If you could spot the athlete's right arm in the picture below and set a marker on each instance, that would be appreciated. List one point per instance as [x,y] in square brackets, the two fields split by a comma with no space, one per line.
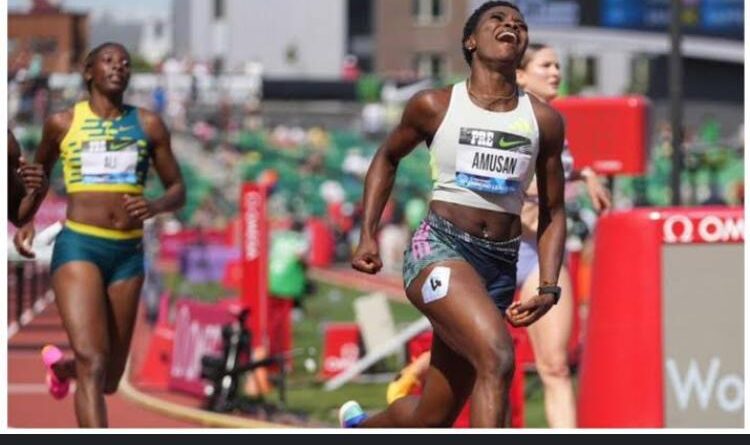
[36,177]
[418,123]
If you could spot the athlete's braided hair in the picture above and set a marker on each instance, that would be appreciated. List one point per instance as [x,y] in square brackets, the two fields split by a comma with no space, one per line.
[473,21]
[91,56]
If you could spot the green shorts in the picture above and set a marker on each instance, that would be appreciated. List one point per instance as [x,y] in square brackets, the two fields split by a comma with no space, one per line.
[116,259]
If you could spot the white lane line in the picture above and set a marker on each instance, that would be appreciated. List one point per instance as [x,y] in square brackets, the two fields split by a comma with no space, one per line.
[189,414]
[13,329]
[28,315]
[32,388]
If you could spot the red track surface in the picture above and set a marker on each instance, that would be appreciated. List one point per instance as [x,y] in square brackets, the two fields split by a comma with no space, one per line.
[29,404]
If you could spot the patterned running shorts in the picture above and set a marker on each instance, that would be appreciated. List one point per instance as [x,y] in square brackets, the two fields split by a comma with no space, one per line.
[437,239]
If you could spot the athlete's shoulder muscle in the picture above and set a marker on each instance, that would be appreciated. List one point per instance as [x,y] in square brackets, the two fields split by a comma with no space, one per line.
[58,124]
[153,125]
[426,109]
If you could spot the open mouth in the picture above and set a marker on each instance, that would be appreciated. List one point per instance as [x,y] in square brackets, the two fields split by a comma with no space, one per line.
[507,37]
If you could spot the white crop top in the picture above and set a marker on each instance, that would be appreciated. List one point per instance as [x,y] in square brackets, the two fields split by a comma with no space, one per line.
[484,159]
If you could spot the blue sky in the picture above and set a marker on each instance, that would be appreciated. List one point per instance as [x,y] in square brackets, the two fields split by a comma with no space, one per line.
[130,9]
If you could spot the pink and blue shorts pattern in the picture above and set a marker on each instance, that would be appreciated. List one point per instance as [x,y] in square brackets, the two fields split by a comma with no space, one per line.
[437,239]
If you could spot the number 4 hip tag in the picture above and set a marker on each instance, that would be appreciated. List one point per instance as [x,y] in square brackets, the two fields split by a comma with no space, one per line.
[436,285]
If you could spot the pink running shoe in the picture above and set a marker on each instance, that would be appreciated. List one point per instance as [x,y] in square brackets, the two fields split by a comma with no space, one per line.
[58,388]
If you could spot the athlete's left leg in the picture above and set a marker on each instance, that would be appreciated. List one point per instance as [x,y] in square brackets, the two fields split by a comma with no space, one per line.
[123,296]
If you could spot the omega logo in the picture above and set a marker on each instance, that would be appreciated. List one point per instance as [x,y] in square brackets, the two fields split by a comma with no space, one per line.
[709,229]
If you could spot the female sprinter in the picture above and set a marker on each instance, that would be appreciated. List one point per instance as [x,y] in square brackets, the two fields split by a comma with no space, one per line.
[106,148]
[487,139]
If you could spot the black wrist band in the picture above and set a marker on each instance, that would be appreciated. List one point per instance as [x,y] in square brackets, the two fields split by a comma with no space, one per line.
[554,290]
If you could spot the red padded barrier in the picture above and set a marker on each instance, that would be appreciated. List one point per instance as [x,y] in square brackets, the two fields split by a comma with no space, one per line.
[608,134]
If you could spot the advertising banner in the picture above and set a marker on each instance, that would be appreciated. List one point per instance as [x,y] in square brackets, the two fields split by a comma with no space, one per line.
[664,342]
[197,333]
[254,256]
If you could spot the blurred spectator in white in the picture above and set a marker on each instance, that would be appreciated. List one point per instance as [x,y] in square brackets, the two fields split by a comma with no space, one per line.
[280,136]
[175,109]
[297,136]
[373,120]
[355,163]
[171,225]
[287,137]
[14,98]
[172,66]
[332,191]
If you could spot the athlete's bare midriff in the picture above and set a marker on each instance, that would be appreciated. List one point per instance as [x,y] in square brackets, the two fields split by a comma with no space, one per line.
[101,209]
[488,224]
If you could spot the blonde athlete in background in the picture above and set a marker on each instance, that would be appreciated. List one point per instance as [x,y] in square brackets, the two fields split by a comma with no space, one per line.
[487,139]
[106,148]
[539,74]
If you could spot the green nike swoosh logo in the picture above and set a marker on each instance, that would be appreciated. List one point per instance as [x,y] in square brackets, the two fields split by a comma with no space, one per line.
[510,144]
[121,145]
